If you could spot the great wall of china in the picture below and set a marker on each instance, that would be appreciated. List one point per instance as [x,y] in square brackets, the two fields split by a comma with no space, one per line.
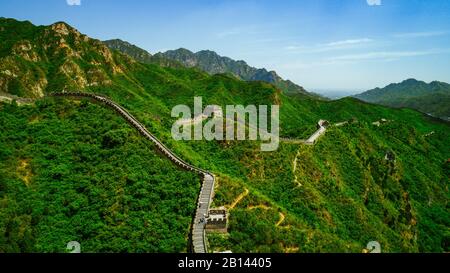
[198,231]
[198,236]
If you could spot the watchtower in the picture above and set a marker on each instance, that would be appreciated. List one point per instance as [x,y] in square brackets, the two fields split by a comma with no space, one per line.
[217,220]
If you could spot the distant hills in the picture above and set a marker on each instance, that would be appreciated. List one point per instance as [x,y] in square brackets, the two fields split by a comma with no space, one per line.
[431,98]
[212,63]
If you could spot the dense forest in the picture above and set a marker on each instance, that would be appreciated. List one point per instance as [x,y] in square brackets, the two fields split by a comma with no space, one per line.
[74,171]
[343,193]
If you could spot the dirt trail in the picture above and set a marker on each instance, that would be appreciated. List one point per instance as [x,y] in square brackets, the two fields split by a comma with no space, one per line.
[264,207]
[294,163]
[282,217]
[291,249]
[238,199]
[24,171]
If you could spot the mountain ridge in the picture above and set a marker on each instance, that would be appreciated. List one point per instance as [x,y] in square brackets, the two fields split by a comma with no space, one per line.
[35,60]
[129,49]
[431,98]
[212,63]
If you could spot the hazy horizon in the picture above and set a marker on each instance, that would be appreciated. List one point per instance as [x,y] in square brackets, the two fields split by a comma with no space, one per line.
[336,93]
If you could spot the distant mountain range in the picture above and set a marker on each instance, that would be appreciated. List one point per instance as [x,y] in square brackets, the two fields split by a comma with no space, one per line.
[431,98]
[212,63]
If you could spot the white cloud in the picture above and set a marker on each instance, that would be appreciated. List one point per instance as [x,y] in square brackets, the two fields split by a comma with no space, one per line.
[293,47]
[386,55]
[421,34]
[349,42]
[73,2]
[376,56]
[374,2]
[337,45]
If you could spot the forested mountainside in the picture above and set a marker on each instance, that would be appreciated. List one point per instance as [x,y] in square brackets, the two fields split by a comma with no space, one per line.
[137,53]
[210,62]
[430,98]
[213,63]
[77,172]
[71,169]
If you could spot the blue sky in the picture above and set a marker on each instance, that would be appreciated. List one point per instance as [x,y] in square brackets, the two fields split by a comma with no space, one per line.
[342,45]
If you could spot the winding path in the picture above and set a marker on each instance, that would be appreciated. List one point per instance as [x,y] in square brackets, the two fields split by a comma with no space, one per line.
[198,235]
[238,199]
[199,243]
[321,129]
